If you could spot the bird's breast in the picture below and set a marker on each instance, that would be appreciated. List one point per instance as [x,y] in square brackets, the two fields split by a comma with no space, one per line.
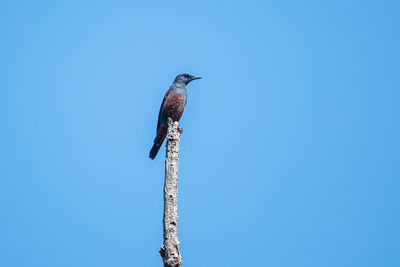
[175,105]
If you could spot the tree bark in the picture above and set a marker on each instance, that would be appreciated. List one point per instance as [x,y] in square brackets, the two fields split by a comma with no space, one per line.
[169,250]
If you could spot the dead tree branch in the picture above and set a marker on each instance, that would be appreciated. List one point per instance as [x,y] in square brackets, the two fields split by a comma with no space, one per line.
[169,250]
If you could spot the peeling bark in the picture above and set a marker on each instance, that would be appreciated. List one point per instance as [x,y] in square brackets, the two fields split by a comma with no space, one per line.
[169,250]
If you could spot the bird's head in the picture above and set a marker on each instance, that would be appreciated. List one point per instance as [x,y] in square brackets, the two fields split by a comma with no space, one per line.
[185,78]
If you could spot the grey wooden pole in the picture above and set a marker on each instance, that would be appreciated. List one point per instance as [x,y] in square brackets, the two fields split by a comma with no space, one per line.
[169,250]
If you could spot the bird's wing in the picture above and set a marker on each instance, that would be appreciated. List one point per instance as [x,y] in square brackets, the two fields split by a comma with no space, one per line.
[161,107]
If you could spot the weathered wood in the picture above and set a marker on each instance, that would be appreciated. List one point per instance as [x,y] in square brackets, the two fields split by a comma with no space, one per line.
[169,250]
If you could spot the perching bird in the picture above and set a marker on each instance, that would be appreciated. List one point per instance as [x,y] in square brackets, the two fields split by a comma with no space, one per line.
[172,107]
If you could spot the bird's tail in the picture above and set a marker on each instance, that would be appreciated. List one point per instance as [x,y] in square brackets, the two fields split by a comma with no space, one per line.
[154,151]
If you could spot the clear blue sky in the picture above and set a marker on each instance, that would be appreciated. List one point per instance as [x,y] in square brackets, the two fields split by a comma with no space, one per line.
[290,149]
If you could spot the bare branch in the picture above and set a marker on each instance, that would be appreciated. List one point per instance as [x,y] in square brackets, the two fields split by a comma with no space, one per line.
[169,250]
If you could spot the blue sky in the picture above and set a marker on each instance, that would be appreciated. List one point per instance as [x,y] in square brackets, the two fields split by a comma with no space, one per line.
[290,147]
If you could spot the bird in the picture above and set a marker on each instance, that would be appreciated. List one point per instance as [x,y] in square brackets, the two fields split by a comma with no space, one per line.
[172,106]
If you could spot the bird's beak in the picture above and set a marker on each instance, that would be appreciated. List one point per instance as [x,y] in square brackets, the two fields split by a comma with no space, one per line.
[196,78]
